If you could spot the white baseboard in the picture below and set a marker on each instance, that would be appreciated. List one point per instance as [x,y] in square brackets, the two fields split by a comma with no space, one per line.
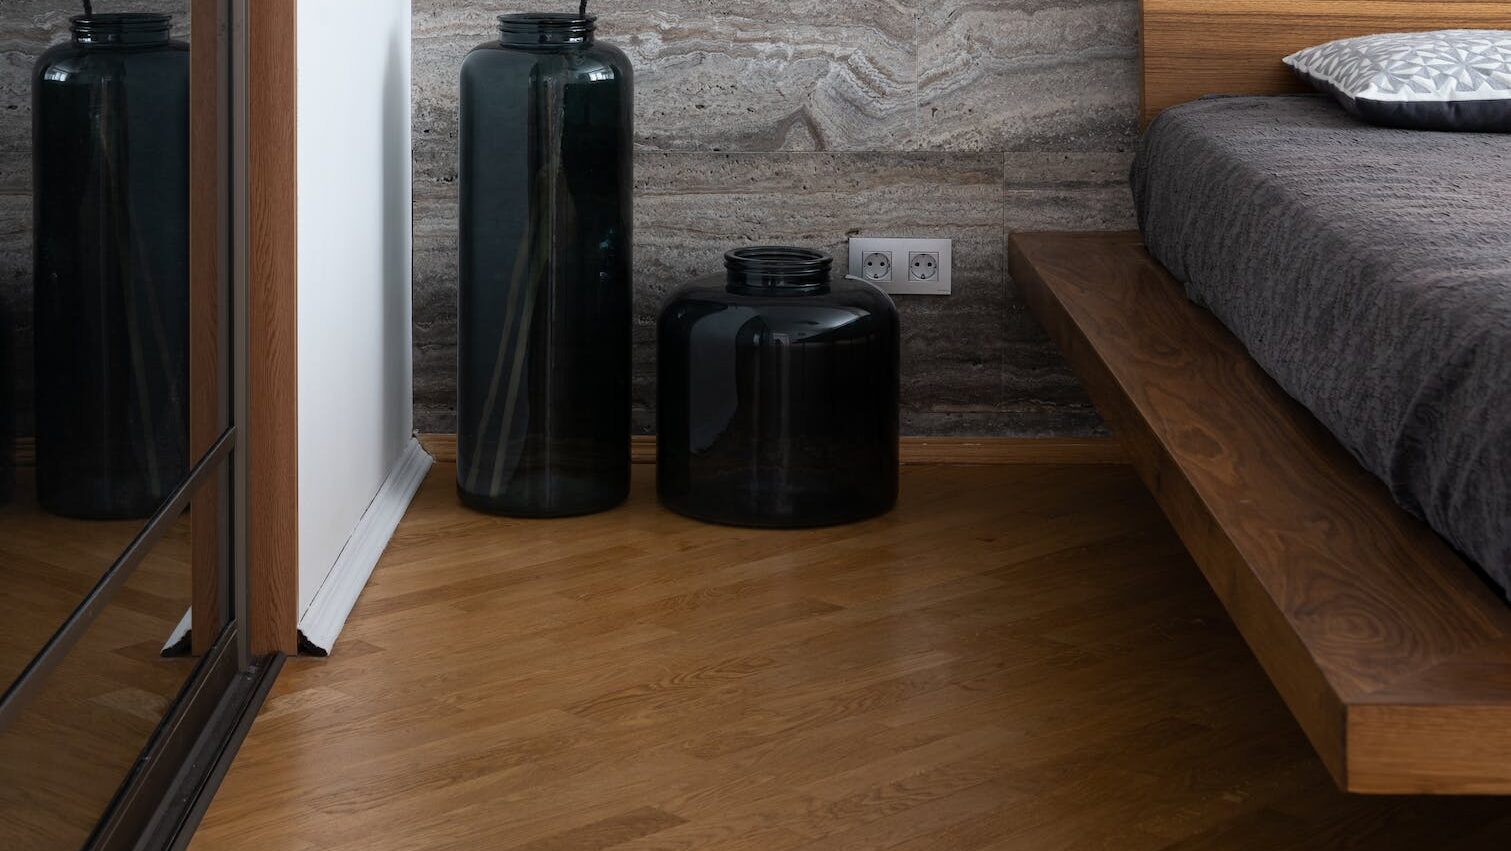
[179,631]
[326,615]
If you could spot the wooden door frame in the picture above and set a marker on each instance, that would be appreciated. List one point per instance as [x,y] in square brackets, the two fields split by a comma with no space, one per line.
[209,232]
[271,448]
[244,228]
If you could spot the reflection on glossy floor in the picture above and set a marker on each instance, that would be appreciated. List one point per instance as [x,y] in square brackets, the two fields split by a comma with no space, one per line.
[47,565]
[1017,658]
[64,759]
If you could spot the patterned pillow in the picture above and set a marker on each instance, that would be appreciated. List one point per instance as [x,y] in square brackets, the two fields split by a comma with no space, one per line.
[1445,80]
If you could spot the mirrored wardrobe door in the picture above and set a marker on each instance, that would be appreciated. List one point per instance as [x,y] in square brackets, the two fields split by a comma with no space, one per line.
[117,641]
[95,288]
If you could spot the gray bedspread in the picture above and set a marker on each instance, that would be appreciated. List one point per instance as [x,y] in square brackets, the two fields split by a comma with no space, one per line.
[1368,271]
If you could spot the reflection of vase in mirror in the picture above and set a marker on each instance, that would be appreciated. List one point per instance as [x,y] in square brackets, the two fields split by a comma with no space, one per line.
[7,408]
[110,170]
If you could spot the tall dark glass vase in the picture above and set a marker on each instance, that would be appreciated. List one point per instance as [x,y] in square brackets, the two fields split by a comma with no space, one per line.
[111,182]
[544,304]
[777,394]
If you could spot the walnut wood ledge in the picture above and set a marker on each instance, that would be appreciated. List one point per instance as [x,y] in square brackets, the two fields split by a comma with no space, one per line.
[912,450]
[1394,656]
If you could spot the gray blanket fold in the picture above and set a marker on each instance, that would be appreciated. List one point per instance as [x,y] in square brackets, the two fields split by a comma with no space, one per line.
[1367,270]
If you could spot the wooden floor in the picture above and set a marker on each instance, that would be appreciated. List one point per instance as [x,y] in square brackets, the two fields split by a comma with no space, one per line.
[63,760]
[1019,657]
[47,565]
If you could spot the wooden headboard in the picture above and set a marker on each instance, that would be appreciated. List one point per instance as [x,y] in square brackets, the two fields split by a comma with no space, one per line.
[1201,47]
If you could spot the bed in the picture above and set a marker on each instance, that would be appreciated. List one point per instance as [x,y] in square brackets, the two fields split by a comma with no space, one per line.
[1297,447]
[1368,271]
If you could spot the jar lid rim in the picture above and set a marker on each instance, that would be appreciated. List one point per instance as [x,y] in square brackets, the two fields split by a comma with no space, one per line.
[547,19]
[778,267]
[123,19]
[778,258]
[117,29]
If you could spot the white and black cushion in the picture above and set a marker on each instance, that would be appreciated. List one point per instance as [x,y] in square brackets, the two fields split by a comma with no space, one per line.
[1441,80]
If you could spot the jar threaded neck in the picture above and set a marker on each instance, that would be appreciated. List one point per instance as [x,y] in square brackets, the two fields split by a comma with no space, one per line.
[768,267]
[121,28]
[546,28]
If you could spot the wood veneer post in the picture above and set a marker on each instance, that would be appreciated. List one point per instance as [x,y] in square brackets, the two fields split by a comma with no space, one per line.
[912,450]
[272,443]
[207,229]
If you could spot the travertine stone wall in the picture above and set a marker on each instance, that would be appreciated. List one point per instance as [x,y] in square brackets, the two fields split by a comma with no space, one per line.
[808,121]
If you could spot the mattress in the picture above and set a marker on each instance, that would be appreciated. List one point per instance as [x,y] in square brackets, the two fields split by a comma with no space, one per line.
[1368,271]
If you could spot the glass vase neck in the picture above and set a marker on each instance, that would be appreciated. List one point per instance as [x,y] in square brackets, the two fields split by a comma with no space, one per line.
[545,29]
[776,269]
[123,29]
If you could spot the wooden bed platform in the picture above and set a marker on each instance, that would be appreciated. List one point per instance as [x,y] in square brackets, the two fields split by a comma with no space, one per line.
[1393,654]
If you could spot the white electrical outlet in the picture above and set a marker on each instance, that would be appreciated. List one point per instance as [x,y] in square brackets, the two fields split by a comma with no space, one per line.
[923,265]
[902,266]
[876,266]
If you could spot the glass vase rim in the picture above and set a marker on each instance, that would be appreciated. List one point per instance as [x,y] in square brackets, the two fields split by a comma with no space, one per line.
[121,27]
[545,29]
[131,21]
[548,21]
[777,267]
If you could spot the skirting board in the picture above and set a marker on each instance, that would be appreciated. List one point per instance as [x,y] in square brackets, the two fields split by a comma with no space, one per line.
[915,450]
[327,613]
[176,645]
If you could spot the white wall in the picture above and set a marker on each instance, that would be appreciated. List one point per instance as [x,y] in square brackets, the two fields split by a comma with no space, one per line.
[354,267]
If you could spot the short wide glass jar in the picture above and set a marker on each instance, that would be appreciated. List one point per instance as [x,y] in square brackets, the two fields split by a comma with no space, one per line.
[777,394]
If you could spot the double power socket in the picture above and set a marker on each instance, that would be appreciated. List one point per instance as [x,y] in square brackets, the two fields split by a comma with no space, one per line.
[902,266]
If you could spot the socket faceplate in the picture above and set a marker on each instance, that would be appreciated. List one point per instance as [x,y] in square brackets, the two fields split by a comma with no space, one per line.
[899,280]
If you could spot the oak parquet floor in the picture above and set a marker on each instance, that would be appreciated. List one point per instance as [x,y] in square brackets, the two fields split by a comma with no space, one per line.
[1019,657]
[68,752]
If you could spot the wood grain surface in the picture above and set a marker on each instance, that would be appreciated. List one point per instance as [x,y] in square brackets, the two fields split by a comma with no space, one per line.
[1393,654]
[1193,48]
[912,450]
[208,227]
[63,759]
[1019,657]
[272,442]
